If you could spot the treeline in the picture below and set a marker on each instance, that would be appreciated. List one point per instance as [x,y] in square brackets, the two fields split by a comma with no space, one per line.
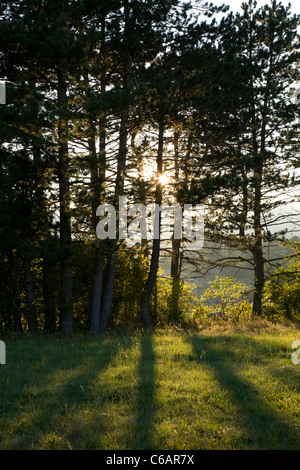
[104,97]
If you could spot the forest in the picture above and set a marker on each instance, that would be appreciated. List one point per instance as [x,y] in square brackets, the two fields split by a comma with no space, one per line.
[162,102]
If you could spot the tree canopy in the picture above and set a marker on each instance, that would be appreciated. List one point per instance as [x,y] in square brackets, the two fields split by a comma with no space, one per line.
[103,99]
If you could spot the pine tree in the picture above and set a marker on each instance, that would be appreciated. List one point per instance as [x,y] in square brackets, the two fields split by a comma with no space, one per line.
[264,44]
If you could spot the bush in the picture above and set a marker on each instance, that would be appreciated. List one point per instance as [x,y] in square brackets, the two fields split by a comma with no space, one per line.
[225,299]
[131,276]
[282,290]
[173,302]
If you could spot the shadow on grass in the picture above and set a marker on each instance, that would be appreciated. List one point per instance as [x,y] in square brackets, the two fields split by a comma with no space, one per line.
[262,427]
[45,406]
[145,398]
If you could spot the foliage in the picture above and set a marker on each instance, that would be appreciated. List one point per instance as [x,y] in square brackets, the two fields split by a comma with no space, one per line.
[282,290]
[167,297]
[100,94]
[173,301]
[225,299]
[130,278]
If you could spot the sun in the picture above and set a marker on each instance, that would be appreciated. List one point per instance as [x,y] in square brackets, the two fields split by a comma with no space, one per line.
[164,179]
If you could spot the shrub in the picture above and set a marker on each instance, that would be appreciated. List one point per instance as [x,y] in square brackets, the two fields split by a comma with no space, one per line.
[282,290]
[174,301]
[225,299]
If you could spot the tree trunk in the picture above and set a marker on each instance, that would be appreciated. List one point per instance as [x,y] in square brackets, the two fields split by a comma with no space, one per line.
[48,294]
[112,261]
[16,310]
[175,242]
[258,257]
[30,313]
[97,187]
[145,303]
[259,157]
[98,267]
[14,292]
[175,257]
[108,292]
[258,248]
[175,279]
[66,318]
[97,294]
[119,189]
[244,213]
[259,279]
[47,247]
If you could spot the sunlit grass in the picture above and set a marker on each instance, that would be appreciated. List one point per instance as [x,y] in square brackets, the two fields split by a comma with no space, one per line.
[225,388]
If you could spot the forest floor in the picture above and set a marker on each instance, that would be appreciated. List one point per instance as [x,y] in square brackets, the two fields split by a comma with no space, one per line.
[233,387]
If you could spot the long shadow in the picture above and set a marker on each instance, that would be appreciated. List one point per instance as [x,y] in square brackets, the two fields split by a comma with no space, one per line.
[289,373]
[145,397]
[263,427]
[88,366]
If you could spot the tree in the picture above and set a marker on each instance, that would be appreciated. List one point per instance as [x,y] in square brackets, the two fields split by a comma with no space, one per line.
[282,290]
[271,50]
[256,164]
[146,37]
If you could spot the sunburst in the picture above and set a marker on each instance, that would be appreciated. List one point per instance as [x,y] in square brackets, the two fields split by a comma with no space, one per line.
[164,179]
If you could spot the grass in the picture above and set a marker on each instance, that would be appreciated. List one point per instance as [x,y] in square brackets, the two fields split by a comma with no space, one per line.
[221,388]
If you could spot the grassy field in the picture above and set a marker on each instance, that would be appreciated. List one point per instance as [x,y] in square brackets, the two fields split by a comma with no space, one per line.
[220,388]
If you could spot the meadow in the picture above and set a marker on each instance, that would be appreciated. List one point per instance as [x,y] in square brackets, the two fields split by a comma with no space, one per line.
[225,387]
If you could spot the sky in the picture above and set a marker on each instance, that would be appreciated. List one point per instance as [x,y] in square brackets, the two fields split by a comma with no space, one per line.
[235,4]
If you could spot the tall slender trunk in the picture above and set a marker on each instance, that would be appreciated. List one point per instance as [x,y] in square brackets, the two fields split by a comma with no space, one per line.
[257,249]
[30,310]
[14,296]
[48,293]
[98,184]
[259,167]
[145,303]
[98,266]
[258,258]
[174,311]
[176,243]
[16,311]
[66,318]
[258,253]
[98,175]
[97,293]
[119,189]
[259,158]
[48,248]
[175,258]
[112,261]
[108,292]
[245,202]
